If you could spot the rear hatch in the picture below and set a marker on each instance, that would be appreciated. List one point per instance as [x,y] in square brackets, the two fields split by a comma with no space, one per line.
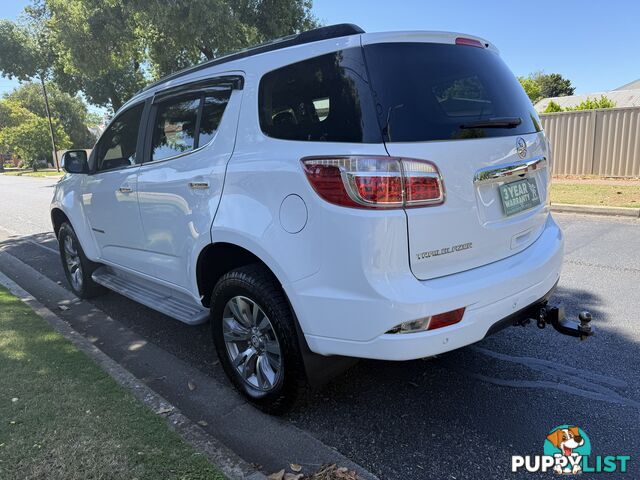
[460,107]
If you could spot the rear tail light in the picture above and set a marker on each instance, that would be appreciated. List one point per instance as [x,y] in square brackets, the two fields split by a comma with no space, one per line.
[375,182]
[430,323]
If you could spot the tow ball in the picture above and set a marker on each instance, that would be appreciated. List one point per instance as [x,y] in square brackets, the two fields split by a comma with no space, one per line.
[556,318]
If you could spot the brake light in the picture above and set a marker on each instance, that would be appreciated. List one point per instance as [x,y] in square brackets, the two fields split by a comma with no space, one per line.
[446,319]
[472,42]
[375,182]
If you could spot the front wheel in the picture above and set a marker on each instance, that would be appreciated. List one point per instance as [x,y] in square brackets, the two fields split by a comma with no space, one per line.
[255,337]
[77,267]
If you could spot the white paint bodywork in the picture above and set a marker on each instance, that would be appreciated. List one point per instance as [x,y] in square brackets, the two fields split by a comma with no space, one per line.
[347,272]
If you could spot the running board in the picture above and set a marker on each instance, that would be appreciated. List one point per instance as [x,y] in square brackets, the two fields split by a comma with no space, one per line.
[157,297]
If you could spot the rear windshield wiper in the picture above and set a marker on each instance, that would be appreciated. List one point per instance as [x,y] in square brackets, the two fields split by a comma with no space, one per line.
[496,122]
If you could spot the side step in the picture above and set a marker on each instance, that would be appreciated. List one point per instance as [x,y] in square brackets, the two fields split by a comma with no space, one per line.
[160,298]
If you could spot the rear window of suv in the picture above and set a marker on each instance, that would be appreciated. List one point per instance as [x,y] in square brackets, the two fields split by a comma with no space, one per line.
[322,99]
[433,91]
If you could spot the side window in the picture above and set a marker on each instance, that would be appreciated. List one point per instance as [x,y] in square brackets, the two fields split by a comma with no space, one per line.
[117,146]
[214,106]
[322,99]
[186,123]
[175,127]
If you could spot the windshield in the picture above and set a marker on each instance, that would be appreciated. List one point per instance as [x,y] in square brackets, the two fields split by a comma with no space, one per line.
[433,91]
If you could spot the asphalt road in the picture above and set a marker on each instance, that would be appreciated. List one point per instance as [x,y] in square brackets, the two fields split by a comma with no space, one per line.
[465,413]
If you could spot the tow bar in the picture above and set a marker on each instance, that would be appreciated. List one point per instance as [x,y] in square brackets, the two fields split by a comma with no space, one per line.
[556,318]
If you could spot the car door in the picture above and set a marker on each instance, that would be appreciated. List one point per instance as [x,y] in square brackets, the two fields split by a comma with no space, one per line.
[190,138]
[110,196]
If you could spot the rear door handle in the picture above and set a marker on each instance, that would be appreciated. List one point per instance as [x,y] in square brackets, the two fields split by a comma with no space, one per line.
[124,189]
[199,185]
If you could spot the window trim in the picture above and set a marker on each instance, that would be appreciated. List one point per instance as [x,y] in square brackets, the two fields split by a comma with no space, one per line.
[146,103]
[182,91]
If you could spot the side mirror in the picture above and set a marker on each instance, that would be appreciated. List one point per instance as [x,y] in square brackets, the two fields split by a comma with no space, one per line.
[75,161]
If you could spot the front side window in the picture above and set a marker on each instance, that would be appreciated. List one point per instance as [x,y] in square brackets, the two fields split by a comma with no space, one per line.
[322,99]
[117,146]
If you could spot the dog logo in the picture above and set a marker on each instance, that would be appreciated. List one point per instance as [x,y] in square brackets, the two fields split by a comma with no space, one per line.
[570,442]
[567,451]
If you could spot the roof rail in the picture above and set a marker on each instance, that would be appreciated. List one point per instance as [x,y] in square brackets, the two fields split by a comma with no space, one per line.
[322,33]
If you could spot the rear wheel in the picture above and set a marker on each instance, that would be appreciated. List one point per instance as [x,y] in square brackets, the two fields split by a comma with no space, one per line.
[255,337]
[77,267]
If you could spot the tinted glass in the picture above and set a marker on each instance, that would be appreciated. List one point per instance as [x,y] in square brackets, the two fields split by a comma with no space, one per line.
[427,91]
[175,127]
[117,146]
[214,105]
[325,98]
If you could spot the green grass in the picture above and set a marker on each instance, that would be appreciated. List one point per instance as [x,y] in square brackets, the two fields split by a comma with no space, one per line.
[590,194]
[63,418]
[31,173]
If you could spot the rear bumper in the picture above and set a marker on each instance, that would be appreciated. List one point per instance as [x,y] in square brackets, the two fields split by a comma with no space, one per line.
[356,326]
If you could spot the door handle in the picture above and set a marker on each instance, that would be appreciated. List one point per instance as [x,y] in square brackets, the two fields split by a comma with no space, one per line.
[199,185]
[125,189]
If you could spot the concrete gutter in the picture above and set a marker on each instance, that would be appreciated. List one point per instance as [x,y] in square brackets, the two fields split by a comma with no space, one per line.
[596,210]
[227,461]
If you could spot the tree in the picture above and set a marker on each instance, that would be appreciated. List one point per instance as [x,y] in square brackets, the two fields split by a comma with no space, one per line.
[541,85]
[26,134]
[210,28]
[553,85]
[28,54]
[531,88]
[70,112]
[98,49]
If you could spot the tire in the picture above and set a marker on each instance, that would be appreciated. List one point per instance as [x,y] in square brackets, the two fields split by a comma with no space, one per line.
[273,383]
[77,267]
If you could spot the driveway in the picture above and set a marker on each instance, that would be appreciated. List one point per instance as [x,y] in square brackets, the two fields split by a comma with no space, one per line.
[460,415]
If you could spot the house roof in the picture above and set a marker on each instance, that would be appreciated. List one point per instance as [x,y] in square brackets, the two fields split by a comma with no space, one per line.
[630,86]
[622,98]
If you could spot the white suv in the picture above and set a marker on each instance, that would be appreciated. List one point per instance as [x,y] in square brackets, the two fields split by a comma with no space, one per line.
[327,195]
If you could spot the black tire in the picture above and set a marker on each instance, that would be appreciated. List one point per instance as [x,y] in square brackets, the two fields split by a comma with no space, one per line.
[256,283]
[86,287]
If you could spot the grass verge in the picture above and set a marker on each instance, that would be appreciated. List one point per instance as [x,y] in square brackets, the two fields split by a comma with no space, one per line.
[31,173]
[62,417]
[594,194]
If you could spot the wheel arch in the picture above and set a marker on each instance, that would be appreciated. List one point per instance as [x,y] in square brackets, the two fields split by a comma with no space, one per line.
[58,217]
[216,259]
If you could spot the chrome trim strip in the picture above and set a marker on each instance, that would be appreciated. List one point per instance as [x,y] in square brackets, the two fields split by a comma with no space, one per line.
[499,172]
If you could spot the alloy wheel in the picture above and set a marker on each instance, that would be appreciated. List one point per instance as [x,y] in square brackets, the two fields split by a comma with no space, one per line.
[252,345]
[72,260]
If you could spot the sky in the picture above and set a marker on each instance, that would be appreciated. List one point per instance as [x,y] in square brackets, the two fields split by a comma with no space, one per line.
[595,44]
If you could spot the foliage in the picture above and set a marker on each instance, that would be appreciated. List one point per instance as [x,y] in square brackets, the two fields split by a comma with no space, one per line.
[109,50]
[531,88]
[553,107]
[71,112]
[97,49]
[588,104]
[553,85]
[594,103]
[27,134]
[209,28]
[541,85]
[18,56]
